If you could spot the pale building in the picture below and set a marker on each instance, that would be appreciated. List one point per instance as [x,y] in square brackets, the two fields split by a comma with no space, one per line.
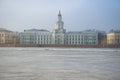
[59,36]
[6,37]
[87,37]
[43,37]
[113,38]
[35,36]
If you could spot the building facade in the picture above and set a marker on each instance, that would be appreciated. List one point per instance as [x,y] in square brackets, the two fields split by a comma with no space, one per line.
[6,37]
[102,38]
[59,36]
[16,38]
[113,37]
[35,36]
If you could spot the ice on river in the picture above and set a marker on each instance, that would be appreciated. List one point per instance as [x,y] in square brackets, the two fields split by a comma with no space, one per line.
[59,64]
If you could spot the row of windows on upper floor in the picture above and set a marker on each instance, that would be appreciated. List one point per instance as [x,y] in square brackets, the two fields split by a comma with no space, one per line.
[36,42]
[77,42]
[1,35]
[92,38]
[68,39]
[39,39]
[48,39]
[118,42]
[1,41]
[63,35]
[36,35]
[113,40]
[71,39]
[5,41]
[113,37]
[5,35]
[31,36]
[60,41]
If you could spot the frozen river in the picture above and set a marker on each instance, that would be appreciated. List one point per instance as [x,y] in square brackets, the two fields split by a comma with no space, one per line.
[59,64]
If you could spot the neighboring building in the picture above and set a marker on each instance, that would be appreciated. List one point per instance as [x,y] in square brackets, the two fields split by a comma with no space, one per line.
[88,37]
[28,37]
[6,37]
[113,37]
[16,38]
[35,36]
[102,38]
[59,36]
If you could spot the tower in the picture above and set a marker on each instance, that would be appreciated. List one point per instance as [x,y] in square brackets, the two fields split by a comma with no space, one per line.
[59,24]
[58,31]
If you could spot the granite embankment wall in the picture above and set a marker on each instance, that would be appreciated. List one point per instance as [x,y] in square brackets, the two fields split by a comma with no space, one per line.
[81,46]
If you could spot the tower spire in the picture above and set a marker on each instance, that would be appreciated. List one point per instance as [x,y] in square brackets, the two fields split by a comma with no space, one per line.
[59,13]
[59,16]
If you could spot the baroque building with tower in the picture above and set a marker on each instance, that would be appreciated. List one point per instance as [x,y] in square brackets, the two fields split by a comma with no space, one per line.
[59,36]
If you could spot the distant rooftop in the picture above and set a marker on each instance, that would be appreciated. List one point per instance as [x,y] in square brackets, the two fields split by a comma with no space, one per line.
[114,31]
[85,31]
[4,30]
[37,31]
[74,32]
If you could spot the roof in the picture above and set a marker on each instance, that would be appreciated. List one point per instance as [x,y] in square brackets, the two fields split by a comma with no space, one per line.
[82,32]
[4,30]
[114,31]
[36,31]
[74,32]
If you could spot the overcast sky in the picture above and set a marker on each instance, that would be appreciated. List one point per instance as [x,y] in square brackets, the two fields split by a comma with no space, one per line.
[78,15]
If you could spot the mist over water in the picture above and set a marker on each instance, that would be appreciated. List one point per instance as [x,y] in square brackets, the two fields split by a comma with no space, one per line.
[59,64]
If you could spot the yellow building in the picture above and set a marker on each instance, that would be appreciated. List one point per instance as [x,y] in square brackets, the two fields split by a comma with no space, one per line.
[113,38]
[6,37]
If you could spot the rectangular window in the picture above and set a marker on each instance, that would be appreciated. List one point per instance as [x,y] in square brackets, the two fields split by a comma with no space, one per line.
[2,35]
